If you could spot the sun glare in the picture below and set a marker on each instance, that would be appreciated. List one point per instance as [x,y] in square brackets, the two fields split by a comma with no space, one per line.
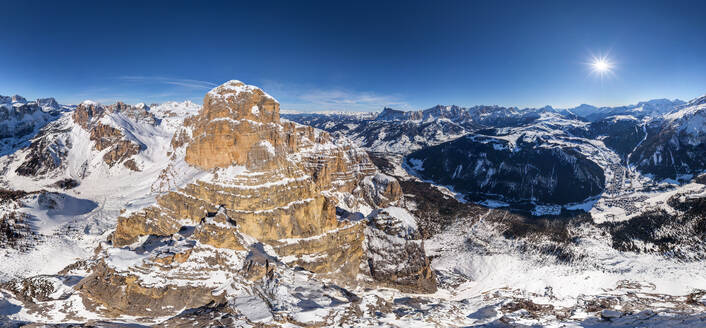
[601,66]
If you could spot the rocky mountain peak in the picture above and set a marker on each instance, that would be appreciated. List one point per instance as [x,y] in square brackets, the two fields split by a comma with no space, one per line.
[87,112]
[238,125]
[237,100]
[19,99]
[48,103]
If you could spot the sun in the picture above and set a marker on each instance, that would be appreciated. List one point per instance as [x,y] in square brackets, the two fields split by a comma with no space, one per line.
[601,65]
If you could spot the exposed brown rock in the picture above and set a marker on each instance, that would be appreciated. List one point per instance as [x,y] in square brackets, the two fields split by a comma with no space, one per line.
[85,114]
[276,182]
[218,231]
[121,151]
[131,164]
[114,294]
[234,120]
[396,256]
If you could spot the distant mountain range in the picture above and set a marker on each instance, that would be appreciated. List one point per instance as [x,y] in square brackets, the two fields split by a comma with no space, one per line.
[534,155]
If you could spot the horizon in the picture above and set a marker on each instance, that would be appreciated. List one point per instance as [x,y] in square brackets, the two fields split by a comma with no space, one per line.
[358,57]
[295,111]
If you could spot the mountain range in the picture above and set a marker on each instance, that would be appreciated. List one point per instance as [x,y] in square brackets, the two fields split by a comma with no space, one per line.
[231,213]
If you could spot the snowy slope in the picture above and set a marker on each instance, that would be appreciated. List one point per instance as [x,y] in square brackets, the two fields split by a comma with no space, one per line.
[78,218]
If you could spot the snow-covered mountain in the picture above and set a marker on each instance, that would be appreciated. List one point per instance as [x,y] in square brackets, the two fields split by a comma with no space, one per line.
[675,145]
[77,172]
[226,214]
[651,108]
[242,200]
[404,131]
[21,119]
[505,150]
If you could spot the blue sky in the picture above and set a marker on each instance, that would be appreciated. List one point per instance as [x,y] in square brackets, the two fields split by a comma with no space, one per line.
[358,55]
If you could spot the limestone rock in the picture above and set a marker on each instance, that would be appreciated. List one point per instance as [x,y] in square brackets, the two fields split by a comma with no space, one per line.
[115,294]
[396,256]
[219,231]
[267,195]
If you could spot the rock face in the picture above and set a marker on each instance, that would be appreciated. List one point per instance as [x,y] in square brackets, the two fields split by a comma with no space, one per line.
[15,226]
[238,125]
[396,252]
[267,195]
[21,120]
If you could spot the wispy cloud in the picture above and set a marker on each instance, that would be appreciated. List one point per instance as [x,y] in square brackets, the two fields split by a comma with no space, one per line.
[293,97]
[187,83]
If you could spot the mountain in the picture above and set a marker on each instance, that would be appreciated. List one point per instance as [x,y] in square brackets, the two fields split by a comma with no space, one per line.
[404,131]
[537,163]
[675,145]
[264,208]
[20,120]
[604,149]
[385,132]
[78,172]
[651,108]
[227,214]
[523,170]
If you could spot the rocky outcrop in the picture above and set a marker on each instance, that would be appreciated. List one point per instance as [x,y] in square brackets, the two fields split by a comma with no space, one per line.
[267,194]
[220,231]
[113,293]
[381,190]
[396,254]
[117,145]
[20,121]
[15,226]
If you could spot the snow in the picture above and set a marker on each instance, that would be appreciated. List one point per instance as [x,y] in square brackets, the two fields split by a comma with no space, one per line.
[89,211]
[255,110]
[500,267]
[50,210]
[268,146]
[540,210]
[417,164]
[233,88]
[493,203]
[490,268]
[122,259]
[408,221]
[616,118]
[253,307]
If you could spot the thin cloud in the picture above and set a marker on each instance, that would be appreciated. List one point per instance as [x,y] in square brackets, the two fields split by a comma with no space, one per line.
[299,98]
[187,83]
[345,99]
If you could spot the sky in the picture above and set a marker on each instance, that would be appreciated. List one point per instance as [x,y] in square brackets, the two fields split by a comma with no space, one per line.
[356,55]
